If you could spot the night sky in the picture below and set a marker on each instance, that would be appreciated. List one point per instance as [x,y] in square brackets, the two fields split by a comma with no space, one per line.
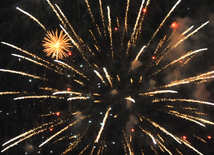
[17,117]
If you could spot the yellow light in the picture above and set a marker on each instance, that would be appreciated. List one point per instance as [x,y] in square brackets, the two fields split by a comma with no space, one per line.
[56,45]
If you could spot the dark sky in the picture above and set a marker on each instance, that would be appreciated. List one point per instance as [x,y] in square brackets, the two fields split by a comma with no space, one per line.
[18,29]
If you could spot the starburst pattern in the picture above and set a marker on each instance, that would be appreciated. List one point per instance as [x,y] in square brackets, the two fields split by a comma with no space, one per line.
[112,100]
[56,45]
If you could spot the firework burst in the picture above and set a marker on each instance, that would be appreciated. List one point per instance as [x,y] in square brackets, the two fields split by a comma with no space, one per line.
[56,45]
[111,97]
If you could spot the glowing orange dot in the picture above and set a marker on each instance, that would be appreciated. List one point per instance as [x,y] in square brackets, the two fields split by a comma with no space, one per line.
[174,25]
[209,137]
[181,61]
[70,53]
[132,130]
[144,10]
[153,57]
[68,89]
[51,129]
[58,113]
[184,137]
[115,28]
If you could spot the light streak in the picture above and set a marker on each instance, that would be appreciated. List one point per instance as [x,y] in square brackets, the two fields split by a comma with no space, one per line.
[34,61]
[67,92]
[173,8]
[57,14]
[81,83]
[77,98]
[181,58]
[36,97]
[200,138]
[59,132]
[188,145]
[84,149]
[75,70]
[137,21]
[12,93]
[196,30]
[22,73]
[77,37]
[107,76]
[164,130]
[177,114]
[130,99]
[149,134]
[142,49]
[32,17]
[203,76]
[98,74]
[182,100]
[28,53]
[158,92]
[164,147]
[189,29]
[103,124]
[102,16]
[110,31]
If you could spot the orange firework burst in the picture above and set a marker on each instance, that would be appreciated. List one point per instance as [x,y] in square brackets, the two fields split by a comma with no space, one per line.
[56,45]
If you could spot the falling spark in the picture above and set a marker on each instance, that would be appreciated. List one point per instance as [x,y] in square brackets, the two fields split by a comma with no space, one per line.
[181,58]
[182,100]
[164,130]
[12,93]
[98,74]
[177,114]
[203,76]
[127,144]
[77,37]
[188,145]
[72,40]
[200,138]
[22,73]
[189,29]
[36,97]
[164,147]
[77,98]
[28,53]
[158,92]
[59,132]
[48,89]
[67,92]
[110,31]
[107,76]
[32,17]
[55,11]
[164,21]
[103,124]
[36,62]
[102,16]
[196,30]
[137,21]
[142,49]
[60,62]
[130,99]
[84,149]
[77,81]
[150,135]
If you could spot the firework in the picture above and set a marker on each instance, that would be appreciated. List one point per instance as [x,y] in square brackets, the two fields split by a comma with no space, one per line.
[56,45]
[109,96]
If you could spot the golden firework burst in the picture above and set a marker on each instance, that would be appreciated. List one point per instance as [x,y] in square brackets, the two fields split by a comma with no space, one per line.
[56,45]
